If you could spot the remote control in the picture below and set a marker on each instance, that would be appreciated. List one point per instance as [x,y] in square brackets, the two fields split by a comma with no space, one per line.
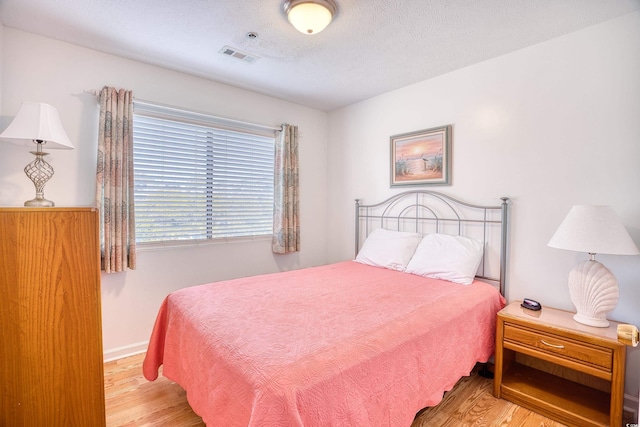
[531,304]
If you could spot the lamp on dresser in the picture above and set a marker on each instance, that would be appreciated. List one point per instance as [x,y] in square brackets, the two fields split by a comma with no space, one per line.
[592,287]
[38,124]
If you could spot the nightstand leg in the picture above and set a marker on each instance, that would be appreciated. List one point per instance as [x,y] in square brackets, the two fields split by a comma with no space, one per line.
[497,372]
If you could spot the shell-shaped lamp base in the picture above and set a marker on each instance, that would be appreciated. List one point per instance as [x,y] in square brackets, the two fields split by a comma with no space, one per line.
[594,293]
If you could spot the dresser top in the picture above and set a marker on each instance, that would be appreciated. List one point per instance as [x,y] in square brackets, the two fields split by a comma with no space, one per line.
[52,209]
[559,319]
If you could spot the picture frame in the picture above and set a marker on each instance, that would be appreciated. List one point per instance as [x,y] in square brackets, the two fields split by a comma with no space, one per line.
[422,157]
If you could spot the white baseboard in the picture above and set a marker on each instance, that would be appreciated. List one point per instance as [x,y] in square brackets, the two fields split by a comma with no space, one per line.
[126,351]
[631,405]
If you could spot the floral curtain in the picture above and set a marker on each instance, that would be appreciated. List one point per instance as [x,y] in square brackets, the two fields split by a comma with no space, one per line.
[286,215]
[114,180]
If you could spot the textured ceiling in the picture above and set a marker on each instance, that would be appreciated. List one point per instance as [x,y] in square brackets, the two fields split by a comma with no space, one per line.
[371,47]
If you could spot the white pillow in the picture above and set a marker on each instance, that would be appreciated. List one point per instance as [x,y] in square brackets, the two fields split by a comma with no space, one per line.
[388,249]
[446,257]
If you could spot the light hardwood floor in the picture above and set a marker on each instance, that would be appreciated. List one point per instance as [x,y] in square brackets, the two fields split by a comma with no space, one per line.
[131,400]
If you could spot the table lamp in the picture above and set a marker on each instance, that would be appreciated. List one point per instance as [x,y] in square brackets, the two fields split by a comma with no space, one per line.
[592,287]
[38,124]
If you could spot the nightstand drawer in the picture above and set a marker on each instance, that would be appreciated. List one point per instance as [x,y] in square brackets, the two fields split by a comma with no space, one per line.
[559,346]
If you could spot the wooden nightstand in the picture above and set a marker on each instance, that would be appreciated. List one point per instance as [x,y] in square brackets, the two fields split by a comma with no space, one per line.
[553,365]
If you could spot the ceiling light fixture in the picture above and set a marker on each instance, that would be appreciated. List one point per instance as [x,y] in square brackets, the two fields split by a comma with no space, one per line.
[310,16]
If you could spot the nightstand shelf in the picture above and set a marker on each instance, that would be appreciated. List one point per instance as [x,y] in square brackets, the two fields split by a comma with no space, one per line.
[547,362]
[543,392]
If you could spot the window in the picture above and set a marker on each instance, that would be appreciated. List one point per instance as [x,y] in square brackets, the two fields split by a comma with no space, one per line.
[200,178]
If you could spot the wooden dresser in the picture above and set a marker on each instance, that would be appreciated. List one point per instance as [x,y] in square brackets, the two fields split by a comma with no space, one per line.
[51,364]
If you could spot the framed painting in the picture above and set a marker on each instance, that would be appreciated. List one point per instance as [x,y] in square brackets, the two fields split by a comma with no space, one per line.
[422,157]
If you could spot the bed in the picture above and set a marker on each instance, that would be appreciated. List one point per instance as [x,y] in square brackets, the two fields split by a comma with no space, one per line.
[354,343]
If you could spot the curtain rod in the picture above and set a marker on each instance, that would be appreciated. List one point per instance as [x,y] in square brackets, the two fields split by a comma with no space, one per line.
[171,107]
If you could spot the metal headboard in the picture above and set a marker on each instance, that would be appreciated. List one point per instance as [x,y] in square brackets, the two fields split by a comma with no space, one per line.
[427,212]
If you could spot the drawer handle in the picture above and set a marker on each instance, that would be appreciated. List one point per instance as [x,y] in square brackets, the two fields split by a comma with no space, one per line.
[551,345]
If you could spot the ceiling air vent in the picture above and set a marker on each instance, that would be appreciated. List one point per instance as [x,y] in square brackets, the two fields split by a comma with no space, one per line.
[235,53]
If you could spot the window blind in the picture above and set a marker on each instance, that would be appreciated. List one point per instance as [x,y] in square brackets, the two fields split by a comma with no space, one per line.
[199,181]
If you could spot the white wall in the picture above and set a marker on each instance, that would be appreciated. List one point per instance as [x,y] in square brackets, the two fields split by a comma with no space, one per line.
[45,70]
[1,62]
[551,126]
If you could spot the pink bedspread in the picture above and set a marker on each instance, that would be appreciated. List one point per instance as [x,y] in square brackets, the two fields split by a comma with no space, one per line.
[339,345]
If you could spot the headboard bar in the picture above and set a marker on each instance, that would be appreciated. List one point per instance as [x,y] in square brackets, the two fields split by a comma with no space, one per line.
[503,243]
[424,210]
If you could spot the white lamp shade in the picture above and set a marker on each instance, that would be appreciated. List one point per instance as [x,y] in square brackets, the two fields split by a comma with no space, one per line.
[593,229]
[37,122]
[310,16]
